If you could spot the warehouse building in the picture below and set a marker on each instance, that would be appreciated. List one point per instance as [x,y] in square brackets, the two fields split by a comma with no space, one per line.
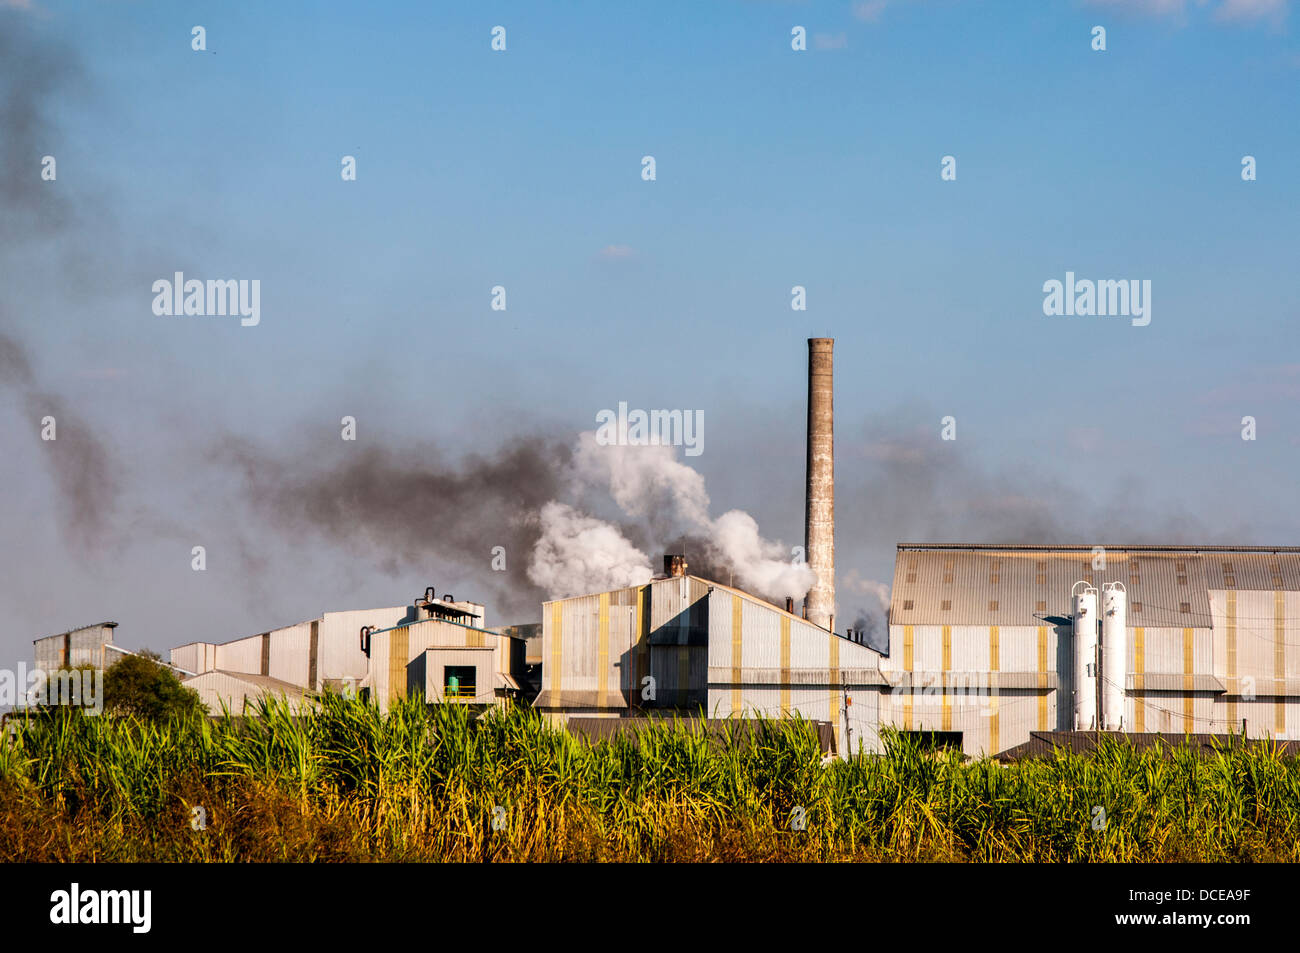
[688,644]
[319,653]
[445,656]
[985,641]
[88,645]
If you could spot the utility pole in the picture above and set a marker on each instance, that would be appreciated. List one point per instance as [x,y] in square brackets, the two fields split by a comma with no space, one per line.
[848,730]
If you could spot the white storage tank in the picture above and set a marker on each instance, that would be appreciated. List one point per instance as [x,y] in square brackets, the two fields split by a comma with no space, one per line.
[1114,648]
[1084,598]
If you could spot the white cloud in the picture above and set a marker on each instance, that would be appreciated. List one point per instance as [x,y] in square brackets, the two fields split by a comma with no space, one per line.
[1224,11]
[869,10]
[1155,8]
[1243,11]
[617,252]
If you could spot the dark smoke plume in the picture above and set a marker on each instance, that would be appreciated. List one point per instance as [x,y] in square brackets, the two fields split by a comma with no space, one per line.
[32,74]
[410,508]
[84,472]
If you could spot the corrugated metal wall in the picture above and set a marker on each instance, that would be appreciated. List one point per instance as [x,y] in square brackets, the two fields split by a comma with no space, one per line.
[594,650]
[84,646]
[338,654]
[197,657]
[241,655]
[290,655]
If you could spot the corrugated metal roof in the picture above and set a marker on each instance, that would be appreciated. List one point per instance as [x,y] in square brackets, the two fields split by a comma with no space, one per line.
[1042,744]
[258,681]
[1168,587]
[80,628]
[602,729]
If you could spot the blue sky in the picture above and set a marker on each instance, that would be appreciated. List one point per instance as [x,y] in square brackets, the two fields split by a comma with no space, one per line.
[775,168]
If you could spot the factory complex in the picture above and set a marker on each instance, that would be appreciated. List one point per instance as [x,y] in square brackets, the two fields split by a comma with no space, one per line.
[987,647]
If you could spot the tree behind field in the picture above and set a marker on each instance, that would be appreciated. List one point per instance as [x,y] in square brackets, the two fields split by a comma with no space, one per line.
[139,685]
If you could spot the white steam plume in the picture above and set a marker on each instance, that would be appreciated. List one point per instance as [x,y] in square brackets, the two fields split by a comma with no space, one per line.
[643,481]
[577,554]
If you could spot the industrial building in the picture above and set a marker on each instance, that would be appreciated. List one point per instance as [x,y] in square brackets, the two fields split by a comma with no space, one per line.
[688,644]
[88,645]
[994,642]
[990,648]
[443,657]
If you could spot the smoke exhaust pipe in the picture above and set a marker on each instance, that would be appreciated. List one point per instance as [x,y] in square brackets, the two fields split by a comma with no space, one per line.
[819,513]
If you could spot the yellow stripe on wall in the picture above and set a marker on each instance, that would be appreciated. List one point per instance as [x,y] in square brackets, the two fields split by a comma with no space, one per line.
[399,644]
[785,666]
[557,651]
[994,656]
[994,727]
[1189,683]
[737,653]
[1139,671]
[602,649]
[643,638]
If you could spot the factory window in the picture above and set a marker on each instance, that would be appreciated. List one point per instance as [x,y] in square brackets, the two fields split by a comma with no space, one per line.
[1227,568]
[1137,607]
[1087,577]
[1134,580]
[1041,579]
[458,681]
[947,564]
[1042,565]
[1182,580]
[1230,582]
[946,605]
[947,577]
[1184,607]
[997,564]
[993,605]
[907,603]
[911,577]
[993,579]
[1040,606]
[1180,567]
[1133,565]
[1277,582]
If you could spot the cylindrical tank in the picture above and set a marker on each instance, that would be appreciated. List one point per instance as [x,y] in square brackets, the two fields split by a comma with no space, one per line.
[1114,648]
[1084,597]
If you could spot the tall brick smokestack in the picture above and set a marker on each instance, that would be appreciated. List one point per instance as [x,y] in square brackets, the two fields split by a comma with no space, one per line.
[819,522]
